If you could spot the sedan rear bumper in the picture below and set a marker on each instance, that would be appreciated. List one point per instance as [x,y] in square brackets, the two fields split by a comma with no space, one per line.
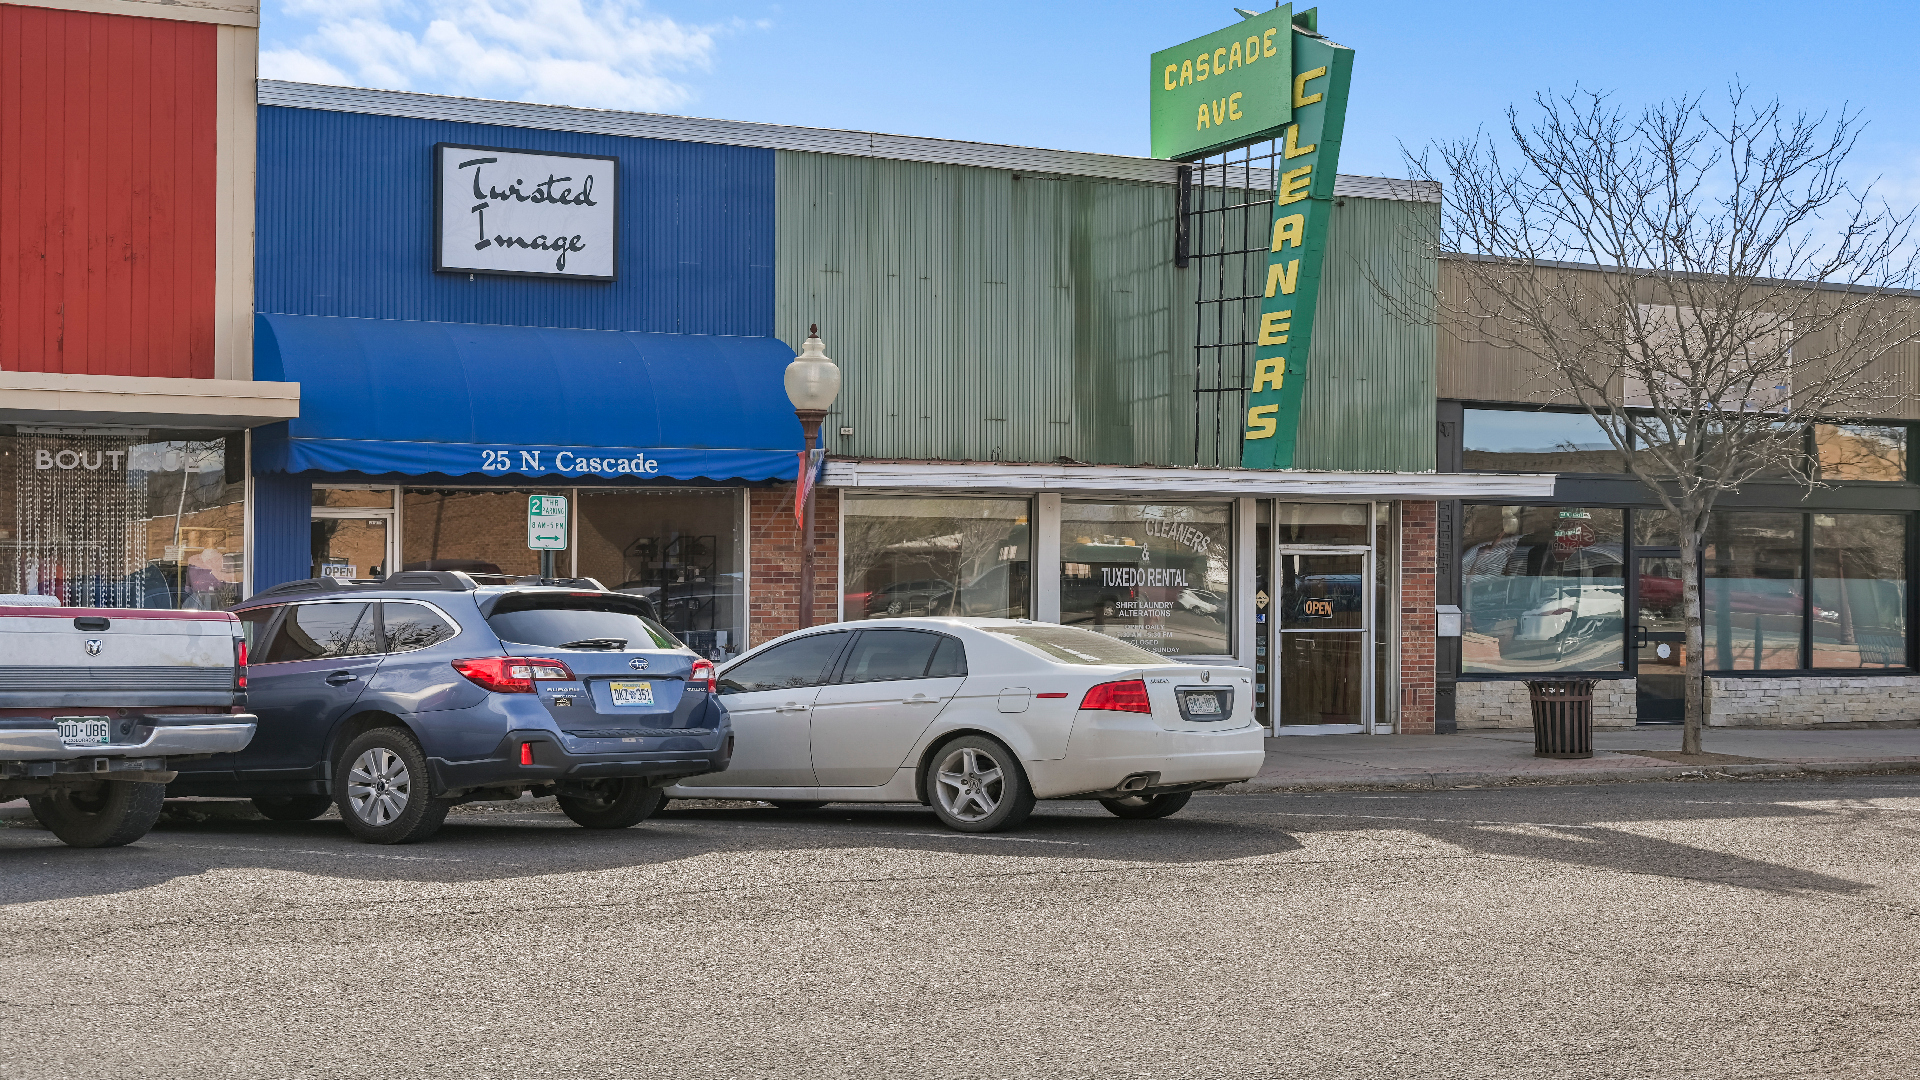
[183,736]
[561,758]
[1108,747]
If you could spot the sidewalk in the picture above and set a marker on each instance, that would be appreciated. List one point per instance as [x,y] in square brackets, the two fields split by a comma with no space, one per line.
[1479,758]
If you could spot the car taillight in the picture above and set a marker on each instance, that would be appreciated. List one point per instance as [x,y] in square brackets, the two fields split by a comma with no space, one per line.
[702,677]
[1127,695]
[510,674]
[239,663]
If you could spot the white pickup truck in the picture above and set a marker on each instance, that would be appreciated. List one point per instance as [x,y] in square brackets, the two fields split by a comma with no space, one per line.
[96,704]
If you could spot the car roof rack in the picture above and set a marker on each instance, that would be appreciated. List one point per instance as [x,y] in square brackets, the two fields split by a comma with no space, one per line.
[535,579]
[430,580]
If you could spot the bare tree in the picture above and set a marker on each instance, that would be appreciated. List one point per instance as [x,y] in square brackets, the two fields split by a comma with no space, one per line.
[1705,284]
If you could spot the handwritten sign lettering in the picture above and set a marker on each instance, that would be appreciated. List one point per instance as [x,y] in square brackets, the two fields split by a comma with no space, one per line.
[500,211]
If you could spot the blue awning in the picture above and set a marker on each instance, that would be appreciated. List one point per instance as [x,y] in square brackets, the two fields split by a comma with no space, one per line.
[383,396]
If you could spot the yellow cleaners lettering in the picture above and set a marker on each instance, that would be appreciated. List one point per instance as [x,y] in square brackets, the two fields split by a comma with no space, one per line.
[1320,73]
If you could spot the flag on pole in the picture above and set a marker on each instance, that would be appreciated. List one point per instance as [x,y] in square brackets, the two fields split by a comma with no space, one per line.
[812,463]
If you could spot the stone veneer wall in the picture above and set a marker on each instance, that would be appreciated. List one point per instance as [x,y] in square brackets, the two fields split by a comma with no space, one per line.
[1418,544]
[773,554]
[1814,701]
[1504,704]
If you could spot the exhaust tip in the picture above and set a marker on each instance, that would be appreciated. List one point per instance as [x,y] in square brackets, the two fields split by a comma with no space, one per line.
[1136,782]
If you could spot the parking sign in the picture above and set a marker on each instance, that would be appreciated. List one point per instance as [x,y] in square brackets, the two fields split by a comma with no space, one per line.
[547,522]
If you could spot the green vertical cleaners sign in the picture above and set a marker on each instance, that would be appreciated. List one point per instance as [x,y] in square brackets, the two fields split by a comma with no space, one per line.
[1302,210]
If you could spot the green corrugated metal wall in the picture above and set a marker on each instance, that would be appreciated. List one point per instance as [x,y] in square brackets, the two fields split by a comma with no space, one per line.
[1369,403]
[979,314]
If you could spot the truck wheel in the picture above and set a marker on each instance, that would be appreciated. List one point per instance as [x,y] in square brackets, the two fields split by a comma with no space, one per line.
[106,814]
[381,784]
[293,807]
[611,804]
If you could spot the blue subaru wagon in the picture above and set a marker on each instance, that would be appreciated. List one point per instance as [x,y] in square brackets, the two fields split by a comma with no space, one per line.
[398,700]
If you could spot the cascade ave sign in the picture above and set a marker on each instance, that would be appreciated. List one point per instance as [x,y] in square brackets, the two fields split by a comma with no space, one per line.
[1226,89]
[502,211]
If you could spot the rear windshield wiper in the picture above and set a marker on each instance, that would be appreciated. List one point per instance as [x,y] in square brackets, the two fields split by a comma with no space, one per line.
[595,643]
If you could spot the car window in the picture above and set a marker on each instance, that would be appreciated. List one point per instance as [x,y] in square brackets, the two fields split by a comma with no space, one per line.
[553,621]
[413,626]
[1071,645]
[253,625]
[787,666]
[949,660]
[883,655]
[324,631]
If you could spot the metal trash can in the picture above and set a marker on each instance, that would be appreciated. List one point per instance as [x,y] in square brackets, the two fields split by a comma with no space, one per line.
[1562,717]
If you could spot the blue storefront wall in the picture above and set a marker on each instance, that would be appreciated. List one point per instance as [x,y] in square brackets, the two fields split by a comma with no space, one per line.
[345,231]
[345,209]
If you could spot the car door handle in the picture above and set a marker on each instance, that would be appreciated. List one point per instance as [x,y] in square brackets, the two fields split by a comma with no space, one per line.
[921,699]
[341,678]
[790,707]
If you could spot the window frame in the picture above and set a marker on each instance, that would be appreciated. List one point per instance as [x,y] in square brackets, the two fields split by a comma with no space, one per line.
[386,639]
[287,611]
[831,669]
[839,670]
[1635,551]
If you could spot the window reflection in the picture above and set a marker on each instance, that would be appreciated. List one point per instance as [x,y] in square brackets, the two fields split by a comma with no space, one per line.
[1859,590]
[916,556]
[1754,597]
[1543,589]
[123,520]
[1511,440]
[1861,451]
[1156,575]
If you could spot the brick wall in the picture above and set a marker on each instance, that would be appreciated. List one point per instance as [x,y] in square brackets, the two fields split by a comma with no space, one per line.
[1504,703]
[1418,543]
[773,548]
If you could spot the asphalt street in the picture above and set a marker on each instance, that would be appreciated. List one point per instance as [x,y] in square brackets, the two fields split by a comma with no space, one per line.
[1714,929]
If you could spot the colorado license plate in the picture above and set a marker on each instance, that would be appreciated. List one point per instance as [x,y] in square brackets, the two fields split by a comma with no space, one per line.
[632,693]
[1203,704]
[84,730]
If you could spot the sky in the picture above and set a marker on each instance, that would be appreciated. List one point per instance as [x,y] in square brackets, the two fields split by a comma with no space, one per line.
[1072,75]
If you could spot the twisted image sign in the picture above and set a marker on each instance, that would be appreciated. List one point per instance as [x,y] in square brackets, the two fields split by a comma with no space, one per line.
[499,211]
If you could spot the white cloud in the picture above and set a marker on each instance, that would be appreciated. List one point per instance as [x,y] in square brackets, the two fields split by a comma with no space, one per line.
[606,53]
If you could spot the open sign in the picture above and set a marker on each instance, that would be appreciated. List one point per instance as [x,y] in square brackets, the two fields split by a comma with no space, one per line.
[1317,609]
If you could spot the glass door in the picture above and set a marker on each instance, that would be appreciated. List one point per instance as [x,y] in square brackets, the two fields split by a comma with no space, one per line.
[1323,663]
[353,547]
[1660,641]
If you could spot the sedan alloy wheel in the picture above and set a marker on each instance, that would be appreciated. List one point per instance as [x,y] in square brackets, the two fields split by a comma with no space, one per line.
[977,785]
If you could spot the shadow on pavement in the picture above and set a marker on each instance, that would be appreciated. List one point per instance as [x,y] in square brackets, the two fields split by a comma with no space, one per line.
[505,845]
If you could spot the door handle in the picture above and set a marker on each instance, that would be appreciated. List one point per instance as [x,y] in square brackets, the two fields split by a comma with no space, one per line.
[790,707]
[341,678]
[921,699]
[1639,637]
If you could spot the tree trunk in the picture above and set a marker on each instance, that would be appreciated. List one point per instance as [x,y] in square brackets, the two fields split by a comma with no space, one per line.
[1696,656]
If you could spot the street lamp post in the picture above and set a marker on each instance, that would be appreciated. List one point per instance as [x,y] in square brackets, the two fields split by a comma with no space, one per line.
[813,381]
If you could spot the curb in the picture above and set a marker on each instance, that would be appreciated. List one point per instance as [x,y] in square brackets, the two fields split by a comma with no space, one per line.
[1441,781]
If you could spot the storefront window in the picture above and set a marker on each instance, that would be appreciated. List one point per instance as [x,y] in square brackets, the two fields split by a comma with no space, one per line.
[1156,575]
[1861,451]
[681,548]
[1321,523]
[122,519]
[930,556]
[1755,598]
[1859,590]
[479,532]
[1543,589]
[1512,440]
